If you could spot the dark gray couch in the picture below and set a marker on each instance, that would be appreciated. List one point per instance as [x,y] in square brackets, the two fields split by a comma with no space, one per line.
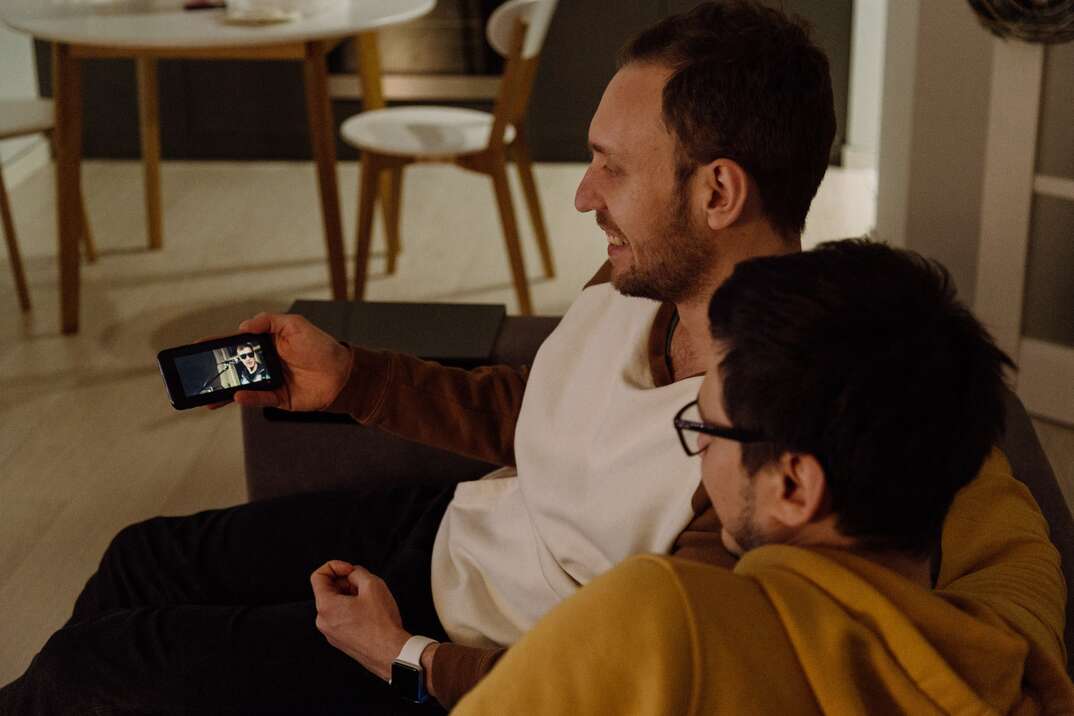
[286,457]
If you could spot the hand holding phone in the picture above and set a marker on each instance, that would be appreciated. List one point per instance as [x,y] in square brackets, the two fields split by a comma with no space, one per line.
[316,366]
[213,371]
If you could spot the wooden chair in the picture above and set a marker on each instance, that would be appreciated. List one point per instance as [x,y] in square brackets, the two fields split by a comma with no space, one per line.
[17,118]
[390,139]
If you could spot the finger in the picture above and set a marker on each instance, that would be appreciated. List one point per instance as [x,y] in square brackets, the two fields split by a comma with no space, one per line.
[217,406]
[361,578]
[325,579]
[264,323]
[257,399]
[335,568]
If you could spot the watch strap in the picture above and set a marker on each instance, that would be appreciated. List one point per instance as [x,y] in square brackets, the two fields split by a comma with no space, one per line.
[411,651]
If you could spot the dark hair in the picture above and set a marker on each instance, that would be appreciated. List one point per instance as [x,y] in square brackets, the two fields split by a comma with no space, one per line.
[860,355]
[751,86]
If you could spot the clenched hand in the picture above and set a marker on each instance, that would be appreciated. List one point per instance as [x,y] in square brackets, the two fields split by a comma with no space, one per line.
[358,615]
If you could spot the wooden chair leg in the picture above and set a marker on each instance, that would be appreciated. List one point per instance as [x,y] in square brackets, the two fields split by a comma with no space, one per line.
[87,234]
[510,234]
[323,143]
[149,125]
[392,202]
[373,98]
[367,197]
[13,248]
[520,153]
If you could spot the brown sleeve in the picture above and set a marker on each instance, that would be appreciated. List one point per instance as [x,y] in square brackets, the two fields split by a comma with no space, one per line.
[701,540]
[470,412]
[457,669]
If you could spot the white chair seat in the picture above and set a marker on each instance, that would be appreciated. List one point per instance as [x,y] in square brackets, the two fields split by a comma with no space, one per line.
[418,132]
[24,116]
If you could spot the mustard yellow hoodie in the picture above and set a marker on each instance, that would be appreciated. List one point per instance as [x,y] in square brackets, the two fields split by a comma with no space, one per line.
[796,630]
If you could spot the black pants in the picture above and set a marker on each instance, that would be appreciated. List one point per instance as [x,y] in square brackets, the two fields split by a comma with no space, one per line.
[214,613]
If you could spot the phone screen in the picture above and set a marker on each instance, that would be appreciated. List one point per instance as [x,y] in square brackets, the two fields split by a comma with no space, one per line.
[222,368]
[202,373]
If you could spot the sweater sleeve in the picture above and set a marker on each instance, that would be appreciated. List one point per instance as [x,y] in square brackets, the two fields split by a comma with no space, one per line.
[469,412]
[997,554]
[601,651]
[456,669]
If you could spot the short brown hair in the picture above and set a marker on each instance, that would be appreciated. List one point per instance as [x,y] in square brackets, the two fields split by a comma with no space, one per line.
[748,84]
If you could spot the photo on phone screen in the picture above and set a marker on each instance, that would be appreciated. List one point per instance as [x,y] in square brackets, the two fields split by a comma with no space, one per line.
[210,372]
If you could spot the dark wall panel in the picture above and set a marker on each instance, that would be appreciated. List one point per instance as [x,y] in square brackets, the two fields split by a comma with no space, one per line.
[256,110]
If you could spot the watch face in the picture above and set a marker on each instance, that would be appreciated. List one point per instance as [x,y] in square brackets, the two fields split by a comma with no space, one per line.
[408,681]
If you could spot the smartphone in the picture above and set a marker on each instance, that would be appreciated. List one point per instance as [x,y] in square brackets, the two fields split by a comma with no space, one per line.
[213,371]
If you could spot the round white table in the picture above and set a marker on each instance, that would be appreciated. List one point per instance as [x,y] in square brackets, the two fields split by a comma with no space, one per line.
[147,30]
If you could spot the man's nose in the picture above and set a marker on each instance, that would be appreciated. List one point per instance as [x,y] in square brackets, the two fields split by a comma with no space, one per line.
[586,197]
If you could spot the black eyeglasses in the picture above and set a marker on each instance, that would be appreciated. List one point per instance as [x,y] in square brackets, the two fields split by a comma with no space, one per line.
[246,355]
[689,425]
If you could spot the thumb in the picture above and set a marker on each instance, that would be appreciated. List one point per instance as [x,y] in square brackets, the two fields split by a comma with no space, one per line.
[361,578]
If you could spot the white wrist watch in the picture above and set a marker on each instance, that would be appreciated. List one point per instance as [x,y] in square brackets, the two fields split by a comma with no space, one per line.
[408,678]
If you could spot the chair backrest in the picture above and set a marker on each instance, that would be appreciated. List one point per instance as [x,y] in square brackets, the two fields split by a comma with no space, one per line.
[19,117]
[517,30]
[536,14]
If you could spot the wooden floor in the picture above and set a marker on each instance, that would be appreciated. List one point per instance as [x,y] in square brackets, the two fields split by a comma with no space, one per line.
[88,442]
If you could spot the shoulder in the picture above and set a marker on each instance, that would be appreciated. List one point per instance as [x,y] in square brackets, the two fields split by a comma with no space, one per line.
[622,644]
[653,636]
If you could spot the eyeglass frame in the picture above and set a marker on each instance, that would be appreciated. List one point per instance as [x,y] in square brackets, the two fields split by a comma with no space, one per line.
[739,435]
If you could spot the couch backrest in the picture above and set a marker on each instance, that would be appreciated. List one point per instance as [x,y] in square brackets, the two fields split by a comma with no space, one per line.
[1031,466]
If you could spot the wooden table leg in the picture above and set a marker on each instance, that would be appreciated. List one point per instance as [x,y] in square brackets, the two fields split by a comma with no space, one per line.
[373,98]
[149,124]
[67,92]
[323,140]
[8,221]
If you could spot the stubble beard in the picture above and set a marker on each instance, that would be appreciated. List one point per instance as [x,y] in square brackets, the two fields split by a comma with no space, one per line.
[745,531]
[676,264]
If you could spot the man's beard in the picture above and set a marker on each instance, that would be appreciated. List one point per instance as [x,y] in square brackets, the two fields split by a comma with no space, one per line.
[745,531]
[675,264]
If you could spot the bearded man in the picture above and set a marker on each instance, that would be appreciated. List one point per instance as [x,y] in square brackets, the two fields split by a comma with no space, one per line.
[708,146]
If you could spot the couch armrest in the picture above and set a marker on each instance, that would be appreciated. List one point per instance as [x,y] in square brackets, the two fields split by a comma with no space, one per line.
[1030,465]
[287,456]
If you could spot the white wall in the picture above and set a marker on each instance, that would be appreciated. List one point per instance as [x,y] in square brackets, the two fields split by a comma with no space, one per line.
[866,83]
[18,79]
[933,127]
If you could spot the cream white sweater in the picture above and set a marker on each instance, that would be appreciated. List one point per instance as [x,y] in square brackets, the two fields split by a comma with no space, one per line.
[600,477]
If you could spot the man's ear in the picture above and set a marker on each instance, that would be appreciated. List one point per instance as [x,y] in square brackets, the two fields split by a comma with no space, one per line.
[727,188]
[803,494]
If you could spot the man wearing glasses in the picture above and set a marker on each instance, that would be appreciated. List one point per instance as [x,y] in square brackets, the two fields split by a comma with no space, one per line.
[250,368]
[849,406]
[707,148]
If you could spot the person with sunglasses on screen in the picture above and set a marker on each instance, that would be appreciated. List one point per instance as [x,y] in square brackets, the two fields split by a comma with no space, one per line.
[249,367]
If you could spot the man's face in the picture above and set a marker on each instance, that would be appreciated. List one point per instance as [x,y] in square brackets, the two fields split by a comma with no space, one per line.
[246,355]
[658,247]
[729,485]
